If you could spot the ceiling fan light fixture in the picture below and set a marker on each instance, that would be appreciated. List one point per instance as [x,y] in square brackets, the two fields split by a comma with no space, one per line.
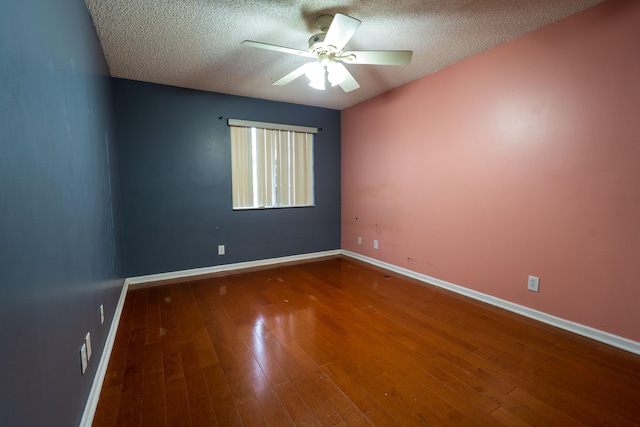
[336,74]
[319,84]
[316,73]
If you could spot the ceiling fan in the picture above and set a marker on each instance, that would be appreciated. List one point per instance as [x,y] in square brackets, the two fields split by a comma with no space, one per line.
[327,48]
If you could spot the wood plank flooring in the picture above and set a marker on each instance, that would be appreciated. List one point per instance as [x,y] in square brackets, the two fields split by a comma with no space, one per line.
[337,342]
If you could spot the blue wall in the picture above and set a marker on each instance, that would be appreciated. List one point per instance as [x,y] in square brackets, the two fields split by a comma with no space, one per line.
[175,167]
[59,230]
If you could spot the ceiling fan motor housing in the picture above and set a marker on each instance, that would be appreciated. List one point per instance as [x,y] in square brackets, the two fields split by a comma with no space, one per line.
[316,42]
[325,53]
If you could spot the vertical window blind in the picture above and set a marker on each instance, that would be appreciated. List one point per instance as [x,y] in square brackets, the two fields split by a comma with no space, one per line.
[271,167]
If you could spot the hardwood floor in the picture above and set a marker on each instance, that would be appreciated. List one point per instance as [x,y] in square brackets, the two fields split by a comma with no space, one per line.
[338,342]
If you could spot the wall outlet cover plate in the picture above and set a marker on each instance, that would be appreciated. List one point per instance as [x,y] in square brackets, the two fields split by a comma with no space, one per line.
[87,341]
[83,358]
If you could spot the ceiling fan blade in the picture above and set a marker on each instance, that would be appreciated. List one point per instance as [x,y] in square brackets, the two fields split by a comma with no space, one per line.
[349,83]
[378,57]
[276,48]
[292,75]
[341,30]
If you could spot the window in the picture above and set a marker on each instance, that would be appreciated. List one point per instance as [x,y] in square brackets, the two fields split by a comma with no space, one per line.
[271,165]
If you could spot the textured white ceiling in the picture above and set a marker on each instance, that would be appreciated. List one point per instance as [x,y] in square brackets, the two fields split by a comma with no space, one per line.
[196,43]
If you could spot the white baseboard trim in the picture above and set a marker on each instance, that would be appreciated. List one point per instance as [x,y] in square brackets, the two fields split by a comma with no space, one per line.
[152,279]
[98,380]
[586,331]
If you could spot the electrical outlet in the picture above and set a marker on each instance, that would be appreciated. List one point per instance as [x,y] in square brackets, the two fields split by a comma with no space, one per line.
[101,314]
[533,284]
[83,358]
[359,240]
[87,341]
[220,249]
[375,244]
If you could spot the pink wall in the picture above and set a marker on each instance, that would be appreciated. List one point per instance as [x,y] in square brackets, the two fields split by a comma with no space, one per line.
[524,159]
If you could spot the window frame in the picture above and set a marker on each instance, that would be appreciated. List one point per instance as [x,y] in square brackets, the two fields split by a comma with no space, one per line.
[256,152]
